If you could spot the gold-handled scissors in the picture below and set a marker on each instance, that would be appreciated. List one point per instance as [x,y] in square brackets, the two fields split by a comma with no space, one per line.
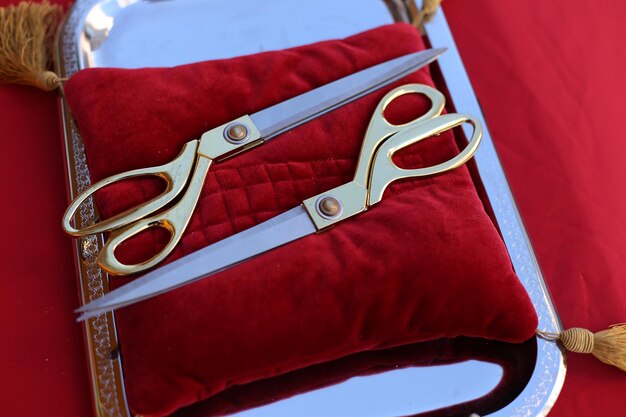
[189,169]
[375,171]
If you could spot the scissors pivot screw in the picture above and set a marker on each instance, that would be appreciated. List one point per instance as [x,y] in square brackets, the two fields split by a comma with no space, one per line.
[329,207]
[236,132]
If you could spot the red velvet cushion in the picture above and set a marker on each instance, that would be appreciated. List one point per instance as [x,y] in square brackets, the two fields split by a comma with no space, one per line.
[426,263]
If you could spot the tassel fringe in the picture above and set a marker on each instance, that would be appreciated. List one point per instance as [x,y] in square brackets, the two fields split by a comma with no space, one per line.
[26,37]
[429,7]
[608,346]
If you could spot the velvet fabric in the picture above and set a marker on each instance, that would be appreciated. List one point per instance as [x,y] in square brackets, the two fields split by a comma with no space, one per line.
[426,263]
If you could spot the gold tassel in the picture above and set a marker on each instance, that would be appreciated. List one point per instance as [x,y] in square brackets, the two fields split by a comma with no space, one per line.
[608,346]
[26,38]
[429,7]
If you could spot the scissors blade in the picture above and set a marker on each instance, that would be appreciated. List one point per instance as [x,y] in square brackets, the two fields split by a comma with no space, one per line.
[282,229]
[281,117]
[270,234]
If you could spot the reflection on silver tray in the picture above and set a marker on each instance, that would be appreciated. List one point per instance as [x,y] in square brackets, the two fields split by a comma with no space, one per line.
[140,33]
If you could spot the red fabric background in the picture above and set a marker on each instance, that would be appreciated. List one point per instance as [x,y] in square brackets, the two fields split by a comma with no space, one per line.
[366,284]
[550,78]
[564,63]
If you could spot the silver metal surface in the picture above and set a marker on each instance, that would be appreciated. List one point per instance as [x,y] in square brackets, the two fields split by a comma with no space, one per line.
[139,33]
[391,393]
[283,116]
[275,232]
[143,33]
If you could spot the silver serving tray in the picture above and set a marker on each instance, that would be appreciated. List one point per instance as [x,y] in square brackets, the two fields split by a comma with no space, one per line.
[145,33]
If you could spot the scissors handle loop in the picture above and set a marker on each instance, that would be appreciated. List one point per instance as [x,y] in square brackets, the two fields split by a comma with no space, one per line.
[385,171]
[174,173]
[376,169]
[174,220]
[380,128]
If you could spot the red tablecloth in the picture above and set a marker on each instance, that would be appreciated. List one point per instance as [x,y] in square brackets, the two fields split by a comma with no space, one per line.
[549,76]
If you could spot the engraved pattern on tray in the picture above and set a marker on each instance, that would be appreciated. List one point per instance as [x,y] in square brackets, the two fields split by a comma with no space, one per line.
[107,395]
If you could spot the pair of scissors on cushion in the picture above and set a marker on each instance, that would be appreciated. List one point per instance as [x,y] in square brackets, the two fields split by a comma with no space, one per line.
[189,169]
[375,171]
